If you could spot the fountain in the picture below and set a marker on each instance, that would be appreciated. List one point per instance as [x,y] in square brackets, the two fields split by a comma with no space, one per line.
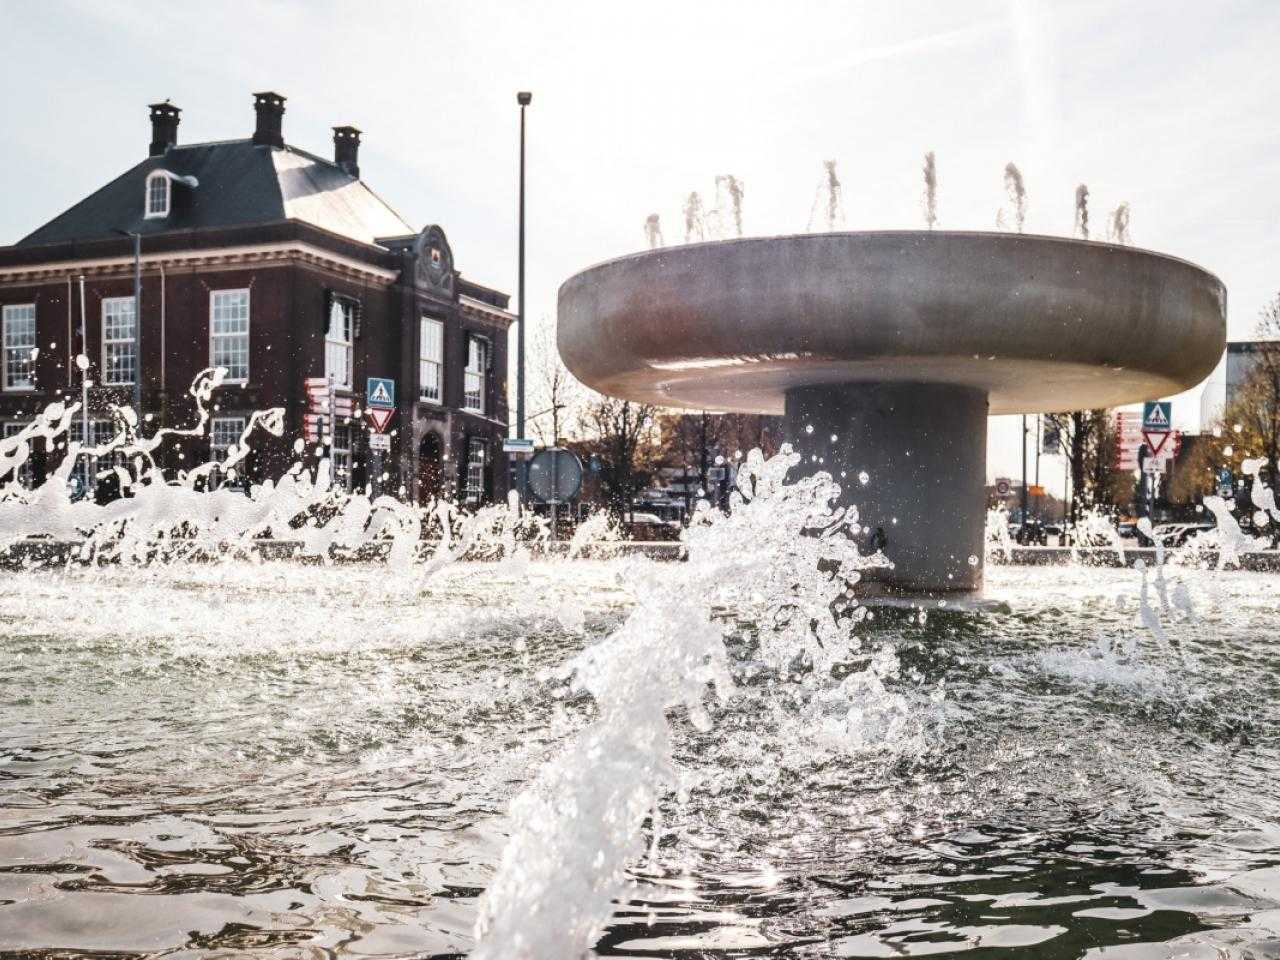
[888,350]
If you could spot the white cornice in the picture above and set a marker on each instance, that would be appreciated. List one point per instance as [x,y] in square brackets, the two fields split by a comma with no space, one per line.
[261,254]
[486,310]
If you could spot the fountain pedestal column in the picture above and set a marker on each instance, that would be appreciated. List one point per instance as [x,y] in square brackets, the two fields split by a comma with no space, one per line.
[923,448]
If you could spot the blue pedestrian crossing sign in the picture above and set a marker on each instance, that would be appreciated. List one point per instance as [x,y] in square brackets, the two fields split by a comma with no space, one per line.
[1157,416]
[381,394]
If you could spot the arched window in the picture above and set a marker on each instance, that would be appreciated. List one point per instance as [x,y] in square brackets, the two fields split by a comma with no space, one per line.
[157,199]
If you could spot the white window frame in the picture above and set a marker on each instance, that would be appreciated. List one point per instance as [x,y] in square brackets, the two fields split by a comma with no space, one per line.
[222,338]
[24,312]
[338,342]
[431,361]
[473,492]
[25,475]
[475,383]
[341,462]
[220,428]
[86,467]
[131,341]
[150,212]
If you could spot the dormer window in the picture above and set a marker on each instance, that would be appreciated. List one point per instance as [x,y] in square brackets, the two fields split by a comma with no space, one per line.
[158,188]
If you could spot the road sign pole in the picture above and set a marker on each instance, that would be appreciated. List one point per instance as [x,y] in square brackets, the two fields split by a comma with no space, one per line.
[555,503]
[333,402]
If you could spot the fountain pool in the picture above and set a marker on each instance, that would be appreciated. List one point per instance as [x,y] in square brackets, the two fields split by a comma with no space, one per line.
[280,760]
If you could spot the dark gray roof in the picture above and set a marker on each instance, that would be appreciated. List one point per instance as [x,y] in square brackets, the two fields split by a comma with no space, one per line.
[239,184]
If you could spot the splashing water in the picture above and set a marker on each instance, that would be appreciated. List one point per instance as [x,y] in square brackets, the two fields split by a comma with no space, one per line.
[695,227]
[996,540]
[578,826]
[930,190]
[653,231]
[1017,192]
[1082,212]
[733,188]
[1118,224]
[829,199]
[311,700]
[598,532]
[172,518]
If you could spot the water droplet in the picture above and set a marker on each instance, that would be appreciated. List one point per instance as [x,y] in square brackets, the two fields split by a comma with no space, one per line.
[864,478]
[809,428]
[973,561]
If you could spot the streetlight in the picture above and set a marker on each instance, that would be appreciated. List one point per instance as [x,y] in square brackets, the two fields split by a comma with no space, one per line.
[524,98]
[191,183]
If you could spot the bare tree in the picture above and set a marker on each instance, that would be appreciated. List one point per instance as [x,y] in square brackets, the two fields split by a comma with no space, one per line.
[1088,440]
[620,433]
[555,393]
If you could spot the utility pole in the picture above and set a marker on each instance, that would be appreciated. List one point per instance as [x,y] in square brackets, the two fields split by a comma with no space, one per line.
[524,98]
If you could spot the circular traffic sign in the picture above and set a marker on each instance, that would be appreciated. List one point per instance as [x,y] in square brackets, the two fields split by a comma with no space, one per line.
[555,475]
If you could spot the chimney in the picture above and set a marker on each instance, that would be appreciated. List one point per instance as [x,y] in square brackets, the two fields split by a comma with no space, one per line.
[270,110]
[346,149]
[164,127]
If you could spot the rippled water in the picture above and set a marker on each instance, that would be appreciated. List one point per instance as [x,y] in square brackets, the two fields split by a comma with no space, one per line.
[286,761]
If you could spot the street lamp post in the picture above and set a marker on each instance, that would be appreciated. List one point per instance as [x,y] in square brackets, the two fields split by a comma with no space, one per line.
[137,320]
[523,98]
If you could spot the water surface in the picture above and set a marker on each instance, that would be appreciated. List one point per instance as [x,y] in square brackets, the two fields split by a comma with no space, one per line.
[284,761]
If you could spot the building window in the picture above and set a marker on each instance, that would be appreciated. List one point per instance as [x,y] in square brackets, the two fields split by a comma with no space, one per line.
[158,187]
[84,478]
[119,346]
[477,460]
[25,474]
[477,371]
[431,360]
[337,342]
[229,333]
[342,456]
[19,346]
[224,437]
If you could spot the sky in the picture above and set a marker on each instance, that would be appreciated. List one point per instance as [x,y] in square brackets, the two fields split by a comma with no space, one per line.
[1169,106]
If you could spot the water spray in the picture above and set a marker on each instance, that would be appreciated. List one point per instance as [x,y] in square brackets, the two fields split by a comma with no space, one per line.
[1118,225]
[829,189]
[1017,194]
[733,186]
[1082,211]
[695,226]
[653,232]
[930,190]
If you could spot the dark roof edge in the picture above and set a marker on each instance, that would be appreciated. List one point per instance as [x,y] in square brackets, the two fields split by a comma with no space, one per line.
[83,201]
[211,239]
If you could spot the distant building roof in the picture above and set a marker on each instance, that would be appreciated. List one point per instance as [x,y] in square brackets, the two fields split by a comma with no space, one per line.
[240,183]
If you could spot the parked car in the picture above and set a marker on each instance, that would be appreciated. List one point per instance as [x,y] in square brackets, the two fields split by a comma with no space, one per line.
[1177,534]
[1032,533]
[650,526]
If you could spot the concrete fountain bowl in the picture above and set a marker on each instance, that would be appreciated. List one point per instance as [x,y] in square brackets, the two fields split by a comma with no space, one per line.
[887,351]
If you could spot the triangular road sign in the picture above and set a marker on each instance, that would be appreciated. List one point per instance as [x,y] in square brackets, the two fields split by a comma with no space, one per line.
[1156,440]
[380,418]
[379,394]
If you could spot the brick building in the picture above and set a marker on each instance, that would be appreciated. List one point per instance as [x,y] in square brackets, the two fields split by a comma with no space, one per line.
[280,266]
